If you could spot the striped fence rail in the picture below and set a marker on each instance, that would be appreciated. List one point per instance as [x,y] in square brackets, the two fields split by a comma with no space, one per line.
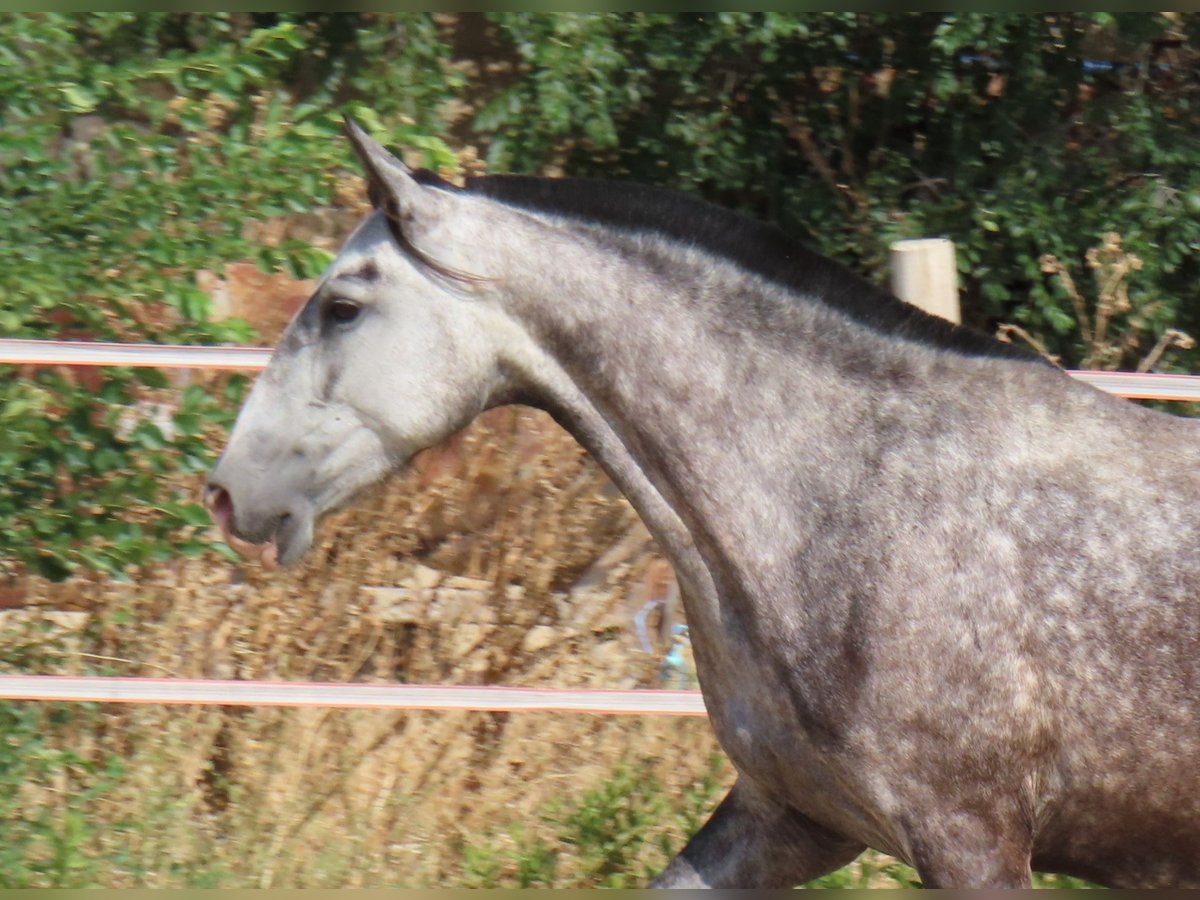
[487,698]
[1135,385]
[1140,386]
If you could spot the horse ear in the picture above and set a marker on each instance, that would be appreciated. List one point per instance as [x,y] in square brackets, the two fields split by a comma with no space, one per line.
[385,173]
[408,206]
[390,183]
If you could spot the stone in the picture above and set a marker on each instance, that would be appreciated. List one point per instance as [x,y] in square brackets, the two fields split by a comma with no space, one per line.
[540,637]
[424,577]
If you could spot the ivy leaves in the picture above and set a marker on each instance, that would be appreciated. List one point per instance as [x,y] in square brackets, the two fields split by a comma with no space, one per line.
[139,148]
[134,150]
[1013,134]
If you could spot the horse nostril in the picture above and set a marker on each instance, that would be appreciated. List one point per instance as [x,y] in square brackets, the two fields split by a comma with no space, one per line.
[219,505]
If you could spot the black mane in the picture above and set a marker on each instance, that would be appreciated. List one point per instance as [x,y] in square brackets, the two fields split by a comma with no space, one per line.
[760,248]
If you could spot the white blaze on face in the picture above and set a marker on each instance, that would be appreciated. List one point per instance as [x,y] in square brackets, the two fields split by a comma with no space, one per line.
[396,350]
[384,361]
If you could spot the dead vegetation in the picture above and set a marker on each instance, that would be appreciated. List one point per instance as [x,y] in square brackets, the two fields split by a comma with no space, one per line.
[1115,324]
[506,558]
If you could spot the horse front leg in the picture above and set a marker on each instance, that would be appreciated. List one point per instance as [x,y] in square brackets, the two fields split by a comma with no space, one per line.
[753,842]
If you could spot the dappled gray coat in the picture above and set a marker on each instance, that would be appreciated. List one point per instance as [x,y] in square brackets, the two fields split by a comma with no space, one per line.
[944,601]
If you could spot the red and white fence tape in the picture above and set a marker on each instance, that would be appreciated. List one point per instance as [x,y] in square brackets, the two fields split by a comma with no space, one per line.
[1137,386]
[166,356]
[489,698]
[381,696]
[1143,385]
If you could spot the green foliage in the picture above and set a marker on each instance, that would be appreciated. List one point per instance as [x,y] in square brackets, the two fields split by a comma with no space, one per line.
[133,149]
[624,831]
[858,129]
[608,827]
[46,844]
[616,835]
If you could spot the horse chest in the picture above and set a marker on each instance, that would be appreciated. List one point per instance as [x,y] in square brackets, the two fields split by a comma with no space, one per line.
[757,728]
[769,749]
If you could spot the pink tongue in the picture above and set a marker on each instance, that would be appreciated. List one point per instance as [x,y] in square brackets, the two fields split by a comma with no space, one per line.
[267,554]
[220,507]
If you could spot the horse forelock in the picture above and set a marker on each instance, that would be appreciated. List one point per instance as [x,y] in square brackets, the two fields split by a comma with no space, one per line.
[760,249]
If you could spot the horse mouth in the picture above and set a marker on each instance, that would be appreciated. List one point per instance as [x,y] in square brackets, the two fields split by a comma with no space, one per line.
[285,539]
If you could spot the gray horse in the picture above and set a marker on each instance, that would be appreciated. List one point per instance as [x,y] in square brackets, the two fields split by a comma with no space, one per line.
[944,600]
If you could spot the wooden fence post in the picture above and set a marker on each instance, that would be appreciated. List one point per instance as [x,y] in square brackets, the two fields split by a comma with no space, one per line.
[925,274]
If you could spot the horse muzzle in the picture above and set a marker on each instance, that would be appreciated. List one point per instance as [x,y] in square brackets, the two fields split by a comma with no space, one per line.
[273,539]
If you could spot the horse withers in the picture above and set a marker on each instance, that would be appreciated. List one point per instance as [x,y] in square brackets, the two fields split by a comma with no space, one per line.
[944,600]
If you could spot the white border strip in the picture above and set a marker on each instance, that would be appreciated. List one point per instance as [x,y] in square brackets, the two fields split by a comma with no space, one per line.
[1143,386]
[488,698]
[96,353]
[1137,386]
[381,696]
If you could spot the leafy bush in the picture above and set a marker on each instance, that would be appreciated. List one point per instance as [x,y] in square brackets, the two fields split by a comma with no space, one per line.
[617,835]
[624,831]
[134,148]
[1112,325]
[1007,132]
[45,845]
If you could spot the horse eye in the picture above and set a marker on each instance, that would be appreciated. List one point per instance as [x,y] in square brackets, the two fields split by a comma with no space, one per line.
[343,311]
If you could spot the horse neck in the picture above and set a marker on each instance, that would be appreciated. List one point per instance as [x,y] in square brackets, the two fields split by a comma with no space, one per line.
[707,413]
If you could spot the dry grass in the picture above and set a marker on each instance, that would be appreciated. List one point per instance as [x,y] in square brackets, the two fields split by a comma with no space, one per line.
[511,560]
[506,558]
